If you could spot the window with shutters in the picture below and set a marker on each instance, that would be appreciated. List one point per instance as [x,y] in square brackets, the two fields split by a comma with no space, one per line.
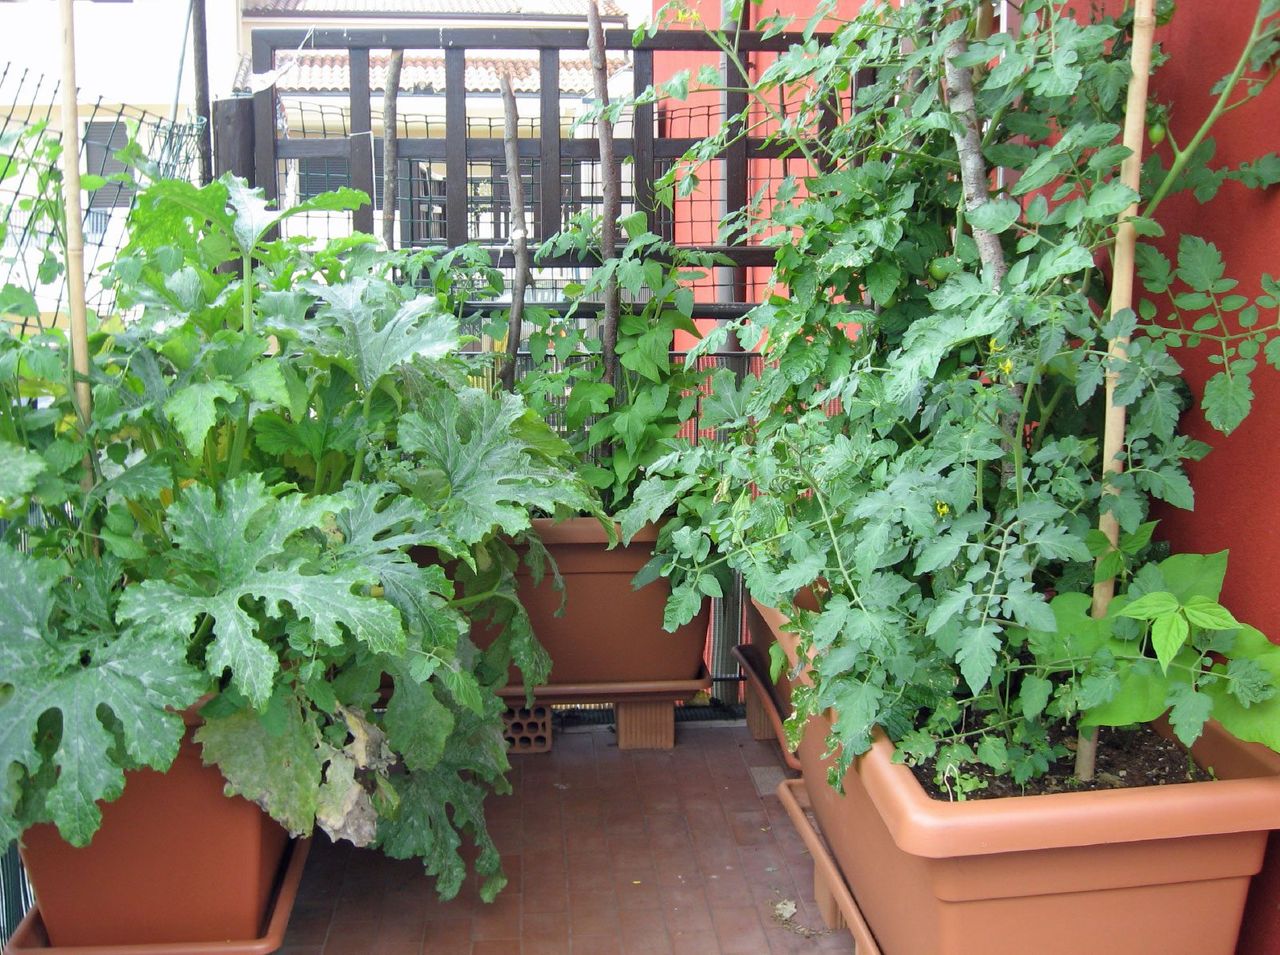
[317,174]
[101,143]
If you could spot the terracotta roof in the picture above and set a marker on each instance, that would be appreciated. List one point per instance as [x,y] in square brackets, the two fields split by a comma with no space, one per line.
[478,9]
[325,71]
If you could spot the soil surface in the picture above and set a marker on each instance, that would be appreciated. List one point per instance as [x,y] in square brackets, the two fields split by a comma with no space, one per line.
[1126,758]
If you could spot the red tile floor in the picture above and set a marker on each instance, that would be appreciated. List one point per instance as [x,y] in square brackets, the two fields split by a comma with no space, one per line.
[607,852]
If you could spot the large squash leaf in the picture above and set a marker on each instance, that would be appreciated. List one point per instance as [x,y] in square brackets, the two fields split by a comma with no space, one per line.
[245,547]
[494,475]
[438,803]
[278,767]
[350,328]
[141,677]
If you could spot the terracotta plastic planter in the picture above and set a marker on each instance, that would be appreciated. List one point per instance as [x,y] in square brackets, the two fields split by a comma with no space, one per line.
[31,935]
[609,646]
[609,632]
[1151,871]
[175,861]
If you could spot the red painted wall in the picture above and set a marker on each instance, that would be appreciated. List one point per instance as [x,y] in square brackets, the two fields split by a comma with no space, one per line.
[1237,491]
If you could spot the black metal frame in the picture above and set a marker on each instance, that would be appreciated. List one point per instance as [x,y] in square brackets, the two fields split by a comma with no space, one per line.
[644,148]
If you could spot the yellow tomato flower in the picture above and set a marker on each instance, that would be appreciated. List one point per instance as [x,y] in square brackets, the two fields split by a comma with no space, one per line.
[942,507]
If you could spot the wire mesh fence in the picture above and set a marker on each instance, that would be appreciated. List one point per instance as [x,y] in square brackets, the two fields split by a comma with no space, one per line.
[32,214]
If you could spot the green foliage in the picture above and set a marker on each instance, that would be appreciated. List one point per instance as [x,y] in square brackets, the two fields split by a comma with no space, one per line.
[295,505]
[619,430]
[922,451]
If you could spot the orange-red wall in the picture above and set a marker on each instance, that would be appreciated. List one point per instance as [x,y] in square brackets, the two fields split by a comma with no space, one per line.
[1238,485]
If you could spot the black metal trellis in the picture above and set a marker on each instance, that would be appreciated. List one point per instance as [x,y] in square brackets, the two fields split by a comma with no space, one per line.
[451,163]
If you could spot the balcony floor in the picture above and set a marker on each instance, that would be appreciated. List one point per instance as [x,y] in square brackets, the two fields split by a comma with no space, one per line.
[633,853]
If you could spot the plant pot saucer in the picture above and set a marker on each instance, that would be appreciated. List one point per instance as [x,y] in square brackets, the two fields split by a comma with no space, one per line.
[613,691]
[836,903]
[31,937]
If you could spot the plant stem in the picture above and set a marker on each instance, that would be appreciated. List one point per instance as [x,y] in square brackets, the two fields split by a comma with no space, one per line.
[390,148]
[246,293]
[609,199]
[1183,157]
[973,168]
[357,468]
[518,231]
[239,439]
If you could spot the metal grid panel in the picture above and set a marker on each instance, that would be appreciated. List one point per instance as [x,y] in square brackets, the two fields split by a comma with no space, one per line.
[33,253]
[489,202]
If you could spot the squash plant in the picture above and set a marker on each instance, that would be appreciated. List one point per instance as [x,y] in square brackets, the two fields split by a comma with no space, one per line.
[292,494]
[923,449]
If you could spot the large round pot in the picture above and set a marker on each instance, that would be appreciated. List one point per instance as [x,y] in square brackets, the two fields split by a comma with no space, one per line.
[174,861]
[1159,870]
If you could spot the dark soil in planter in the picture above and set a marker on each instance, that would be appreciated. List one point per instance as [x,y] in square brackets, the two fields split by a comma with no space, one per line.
[1126,758]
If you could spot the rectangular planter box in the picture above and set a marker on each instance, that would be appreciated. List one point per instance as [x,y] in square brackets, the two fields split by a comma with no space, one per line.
[1157,870]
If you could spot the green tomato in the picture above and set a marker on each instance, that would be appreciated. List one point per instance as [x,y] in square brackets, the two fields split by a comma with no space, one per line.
[942,267]
[891,301]
[1157,133]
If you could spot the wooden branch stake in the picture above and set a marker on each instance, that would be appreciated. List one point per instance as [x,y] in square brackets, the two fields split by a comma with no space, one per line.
[200,67]
[75,232]
[609,194]
[390,148]
[518,230]
[973,168]
[1113,433]
[974,179]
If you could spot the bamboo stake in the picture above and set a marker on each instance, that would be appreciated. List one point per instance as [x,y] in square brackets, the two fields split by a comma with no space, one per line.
[390,148]
[75,231]
[519,231]
[609,194]
[1113,434]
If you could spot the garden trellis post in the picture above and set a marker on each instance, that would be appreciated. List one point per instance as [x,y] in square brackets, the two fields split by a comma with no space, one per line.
[1135,115]
[75,233]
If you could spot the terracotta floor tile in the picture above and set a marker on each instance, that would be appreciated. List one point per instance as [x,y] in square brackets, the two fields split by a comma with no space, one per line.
[590,870]
[545,899]
[738,930]
[545,928]
[446,932]
[357,941]
[580,842]
[501,920]
[694,943]
[678,873]
[593,912]
[686,910]
[496,948]
[596,945]
[638,894]
[630,853]
[727,889]
[645,937]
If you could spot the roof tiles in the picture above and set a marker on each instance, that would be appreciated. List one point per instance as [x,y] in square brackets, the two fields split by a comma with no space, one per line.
[438,8]
[325,71]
